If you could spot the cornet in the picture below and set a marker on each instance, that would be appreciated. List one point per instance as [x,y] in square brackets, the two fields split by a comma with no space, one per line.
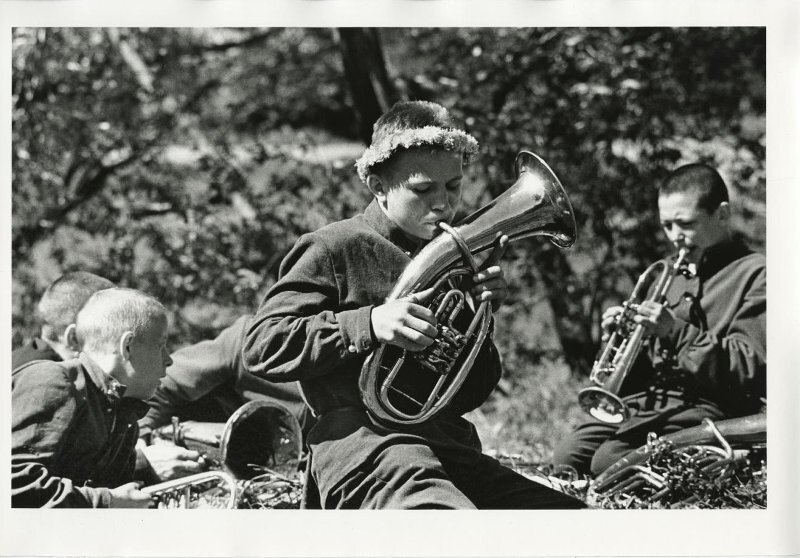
[602,400]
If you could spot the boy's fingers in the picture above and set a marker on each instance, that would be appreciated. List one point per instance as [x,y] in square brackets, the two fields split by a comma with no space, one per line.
[490,273]
[497,252]
[413,340]
[489,282]
[188,455]
[423,296]
[422,326]
[421,312]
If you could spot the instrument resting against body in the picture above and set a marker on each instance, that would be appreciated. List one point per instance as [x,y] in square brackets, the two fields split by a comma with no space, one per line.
[609,371]
[260,437]
[402,387]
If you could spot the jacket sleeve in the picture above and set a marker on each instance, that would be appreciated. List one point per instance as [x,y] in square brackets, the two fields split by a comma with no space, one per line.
[732,364]
[196,370]
[299,331]
[32,486]
[45,409]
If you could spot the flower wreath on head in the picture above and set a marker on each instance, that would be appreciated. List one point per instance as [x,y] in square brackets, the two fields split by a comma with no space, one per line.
[449,139]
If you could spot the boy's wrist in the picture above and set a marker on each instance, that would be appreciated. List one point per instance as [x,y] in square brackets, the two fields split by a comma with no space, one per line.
[355,327]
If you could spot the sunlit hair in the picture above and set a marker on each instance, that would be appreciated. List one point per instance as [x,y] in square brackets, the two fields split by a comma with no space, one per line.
[699,179]
[64,297]
[108,314]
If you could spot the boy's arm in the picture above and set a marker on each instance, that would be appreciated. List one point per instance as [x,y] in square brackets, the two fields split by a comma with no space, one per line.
[195,371]
[732,364]
[32,486]
[299,331]
[44,411]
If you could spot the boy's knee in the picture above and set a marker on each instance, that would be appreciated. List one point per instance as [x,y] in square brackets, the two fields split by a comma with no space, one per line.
[578,448]
[569,453]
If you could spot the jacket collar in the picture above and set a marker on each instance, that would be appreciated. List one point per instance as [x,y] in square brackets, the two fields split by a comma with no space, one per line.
[712,261]
[377,219]
[718,256]
[113,389]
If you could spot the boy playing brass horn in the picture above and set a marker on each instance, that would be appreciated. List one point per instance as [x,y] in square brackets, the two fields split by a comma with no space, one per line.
[326,313]
[707,356]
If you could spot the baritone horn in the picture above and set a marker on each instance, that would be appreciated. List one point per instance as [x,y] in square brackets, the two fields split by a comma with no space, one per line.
[403,387]
[602,400]
[259,436]
[717,451]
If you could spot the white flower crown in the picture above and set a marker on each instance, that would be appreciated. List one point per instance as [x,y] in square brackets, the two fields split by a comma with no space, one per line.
[449,139]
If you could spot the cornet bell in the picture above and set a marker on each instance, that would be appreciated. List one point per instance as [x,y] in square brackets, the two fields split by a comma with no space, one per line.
[603,405]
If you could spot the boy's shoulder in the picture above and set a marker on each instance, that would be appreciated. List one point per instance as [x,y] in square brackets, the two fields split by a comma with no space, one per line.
[746,262]
[342,233]
[33,349]
[40,373]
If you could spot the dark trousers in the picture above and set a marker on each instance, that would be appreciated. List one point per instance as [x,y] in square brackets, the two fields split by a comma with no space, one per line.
[358,464]
[594,446]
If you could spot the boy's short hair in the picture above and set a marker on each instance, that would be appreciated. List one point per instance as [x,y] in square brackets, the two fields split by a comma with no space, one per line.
[411,124]
[109,313]
[700,179]
[64,297]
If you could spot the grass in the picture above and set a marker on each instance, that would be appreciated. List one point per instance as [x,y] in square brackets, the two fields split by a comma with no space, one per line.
[530,413]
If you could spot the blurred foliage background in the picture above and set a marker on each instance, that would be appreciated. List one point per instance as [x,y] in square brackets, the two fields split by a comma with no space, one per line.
[185,162]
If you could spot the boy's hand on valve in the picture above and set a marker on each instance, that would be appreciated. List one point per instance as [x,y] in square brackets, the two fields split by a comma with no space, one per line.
[490,282]
[655,317]
[608,321]
[406,322]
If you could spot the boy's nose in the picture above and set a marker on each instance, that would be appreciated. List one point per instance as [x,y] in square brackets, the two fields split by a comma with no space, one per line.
[440,201]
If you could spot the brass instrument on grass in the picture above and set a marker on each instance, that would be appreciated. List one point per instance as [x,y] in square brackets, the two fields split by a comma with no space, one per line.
[602,400]
[206,489]
[729,455]
[404,387]
[259,438]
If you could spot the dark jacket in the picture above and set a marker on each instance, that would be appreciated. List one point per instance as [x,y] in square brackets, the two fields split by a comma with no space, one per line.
[207,382]
[73,434]
[716,352]
[314,323]
[35,349]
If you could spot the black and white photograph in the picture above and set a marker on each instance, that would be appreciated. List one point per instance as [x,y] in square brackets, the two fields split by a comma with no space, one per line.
[264,268]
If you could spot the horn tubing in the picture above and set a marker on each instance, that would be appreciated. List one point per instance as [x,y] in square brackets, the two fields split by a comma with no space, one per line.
[535,205]
[742,430]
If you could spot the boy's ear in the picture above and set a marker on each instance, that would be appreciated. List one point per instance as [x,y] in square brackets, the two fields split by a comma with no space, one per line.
[70,337]
[125,341]
[376,186]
